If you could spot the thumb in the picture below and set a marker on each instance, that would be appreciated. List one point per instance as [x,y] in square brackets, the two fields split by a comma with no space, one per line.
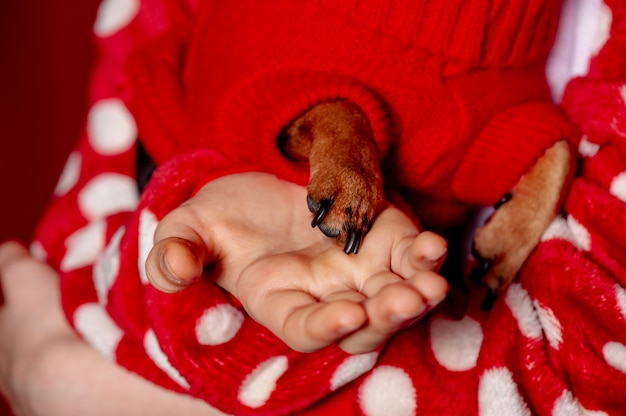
[178,256]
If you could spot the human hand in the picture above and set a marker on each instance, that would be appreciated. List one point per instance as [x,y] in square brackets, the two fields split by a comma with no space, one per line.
[251,231]
[45,369]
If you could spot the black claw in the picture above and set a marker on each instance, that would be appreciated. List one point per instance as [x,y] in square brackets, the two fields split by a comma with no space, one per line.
[329,231]
[506,198]
[489,300]
[324,207]
[357,244]
[350,242]
[481,269]
[354,241]
[313,205]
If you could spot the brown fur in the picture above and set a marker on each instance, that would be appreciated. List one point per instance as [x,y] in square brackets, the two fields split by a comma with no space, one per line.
[513,231]
[345,187]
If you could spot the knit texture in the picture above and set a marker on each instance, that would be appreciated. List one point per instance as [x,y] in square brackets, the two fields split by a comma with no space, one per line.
[429,75]
[555,340]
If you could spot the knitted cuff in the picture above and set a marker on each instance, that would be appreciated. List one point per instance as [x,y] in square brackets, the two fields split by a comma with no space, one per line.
[253,115]
[507,148]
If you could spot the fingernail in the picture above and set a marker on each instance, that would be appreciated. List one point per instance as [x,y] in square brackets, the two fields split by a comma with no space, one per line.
[439,256]
[165,266]
[400,318]
[347,329]
[436,301]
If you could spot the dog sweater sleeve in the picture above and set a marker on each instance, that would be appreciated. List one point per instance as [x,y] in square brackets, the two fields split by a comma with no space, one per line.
[507,148]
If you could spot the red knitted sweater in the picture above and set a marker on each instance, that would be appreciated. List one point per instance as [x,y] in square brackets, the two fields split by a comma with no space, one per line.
[454,91]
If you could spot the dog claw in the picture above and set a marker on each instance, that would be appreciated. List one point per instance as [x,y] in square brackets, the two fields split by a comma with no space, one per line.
[489,300]
[357,245]
[323,209]
[482,268]
[506,198]
[329,232]
[353,242]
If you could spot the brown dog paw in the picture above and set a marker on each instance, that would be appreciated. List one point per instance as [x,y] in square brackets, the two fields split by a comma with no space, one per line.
[509,236]
[344,203]
[345,191]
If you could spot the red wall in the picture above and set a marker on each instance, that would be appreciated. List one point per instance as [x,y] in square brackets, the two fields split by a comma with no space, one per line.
[46,53]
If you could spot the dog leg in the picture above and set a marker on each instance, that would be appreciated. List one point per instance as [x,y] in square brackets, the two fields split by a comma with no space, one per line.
[345,191]
[508,237]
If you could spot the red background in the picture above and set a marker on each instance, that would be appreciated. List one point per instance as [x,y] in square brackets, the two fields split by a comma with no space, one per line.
[45,57]
[46,52]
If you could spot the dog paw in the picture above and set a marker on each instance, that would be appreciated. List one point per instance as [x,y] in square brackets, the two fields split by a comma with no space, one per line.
[504,242]
[345,204]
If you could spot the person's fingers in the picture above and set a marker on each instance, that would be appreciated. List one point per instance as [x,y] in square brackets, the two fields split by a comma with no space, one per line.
[305,323]
[394,306]
[10,251]
[377,281]
[427,251]
[24,279]
[432,286]
[348,295]
[173,264]
[179,253]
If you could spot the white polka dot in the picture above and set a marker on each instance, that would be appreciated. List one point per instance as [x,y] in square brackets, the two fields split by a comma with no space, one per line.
[106,194]
[582,238]
[98,329]
[550,325]
[603,28]
[559,230]
[586,148]
[620,294]
[84,246]
[70,174]
[38,251]
[388,391]
[218,324]
[107,267]
[456,343]
[114,15]
[352,367]
[622,91]
[615,355]
[259,385]
[154,351]
[521,306]
[618,186]
[498,394]
[147,227]
[110,127]
[567,405]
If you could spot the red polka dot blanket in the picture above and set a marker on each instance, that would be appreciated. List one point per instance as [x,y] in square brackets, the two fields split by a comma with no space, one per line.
[554,342]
